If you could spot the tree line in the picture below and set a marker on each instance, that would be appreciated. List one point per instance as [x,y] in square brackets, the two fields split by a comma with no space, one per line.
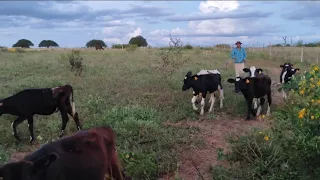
[139,41]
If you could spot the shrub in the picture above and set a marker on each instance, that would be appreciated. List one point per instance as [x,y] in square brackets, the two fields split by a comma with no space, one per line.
[290,149]
[188,46]
[75,60]
[131,47]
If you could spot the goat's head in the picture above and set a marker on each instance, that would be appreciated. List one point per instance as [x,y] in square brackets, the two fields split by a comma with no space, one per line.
[187,82]
[253,71]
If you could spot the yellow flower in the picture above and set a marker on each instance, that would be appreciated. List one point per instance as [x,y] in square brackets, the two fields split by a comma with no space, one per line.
[312,86]
[318,83]
[263,116]
[302,92]
[316,68]
[318,101]
[312,117]
[302,113]
[127,156]
[311,79]
[300,116]
[260,132]
[266,138]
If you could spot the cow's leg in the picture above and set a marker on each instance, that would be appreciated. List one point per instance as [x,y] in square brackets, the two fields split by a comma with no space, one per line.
[221,94]
[250,110]
[212,100]
[65,119]
[14,125]
[75,118]
[255,104]
[30,127]
[269,102]
[262,100]
[284,94]
[193,101]
[202,103]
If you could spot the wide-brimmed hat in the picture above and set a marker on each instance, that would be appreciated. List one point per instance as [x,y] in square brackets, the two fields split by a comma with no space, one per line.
[238,42]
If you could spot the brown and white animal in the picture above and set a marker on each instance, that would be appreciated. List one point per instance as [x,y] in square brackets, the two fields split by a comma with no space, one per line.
[43,101]
[254,87]
[203,82]
[88,154]
[99,47]
[287,72]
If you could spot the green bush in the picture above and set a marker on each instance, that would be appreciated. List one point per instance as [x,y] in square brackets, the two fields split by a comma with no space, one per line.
[290,148]
[75,60]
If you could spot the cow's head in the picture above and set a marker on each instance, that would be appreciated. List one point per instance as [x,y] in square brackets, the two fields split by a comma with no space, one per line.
[27,170]
[253,71]
[288,71]
[188,80]
[240,83]
[57,91]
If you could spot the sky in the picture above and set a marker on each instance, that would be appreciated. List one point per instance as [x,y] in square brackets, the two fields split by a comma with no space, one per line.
[199,23]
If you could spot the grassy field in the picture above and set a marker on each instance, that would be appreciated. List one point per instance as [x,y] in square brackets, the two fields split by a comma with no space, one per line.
[135,92]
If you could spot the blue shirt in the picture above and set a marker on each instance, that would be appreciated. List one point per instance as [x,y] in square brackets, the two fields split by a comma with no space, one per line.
[239,54]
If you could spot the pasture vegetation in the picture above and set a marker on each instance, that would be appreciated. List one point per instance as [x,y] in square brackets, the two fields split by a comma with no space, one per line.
[135,91]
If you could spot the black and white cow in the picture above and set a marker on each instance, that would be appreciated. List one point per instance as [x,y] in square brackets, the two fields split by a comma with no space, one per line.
[253,72]
[201,83]
[287,72]
[254,87]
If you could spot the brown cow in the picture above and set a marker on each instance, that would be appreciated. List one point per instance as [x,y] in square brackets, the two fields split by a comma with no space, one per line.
[85,155]
[98,46]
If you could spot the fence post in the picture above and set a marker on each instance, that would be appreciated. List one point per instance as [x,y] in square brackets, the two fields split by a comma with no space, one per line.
[301,58]
[270,49]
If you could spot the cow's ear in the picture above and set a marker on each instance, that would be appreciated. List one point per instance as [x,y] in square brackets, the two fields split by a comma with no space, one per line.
[189,74]
[230,80]
[297,69]
[259,70]
[246,70]
[281,66]
[44,161]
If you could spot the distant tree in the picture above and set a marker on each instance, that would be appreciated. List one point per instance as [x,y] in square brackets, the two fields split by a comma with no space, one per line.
[48,43]
[139,41]
[277,45]
[96,42]
[24,43]
[223,46]
[299,43]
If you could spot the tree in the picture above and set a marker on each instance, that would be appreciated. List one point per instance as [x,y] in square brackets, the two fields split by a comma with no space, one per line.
[285,40]
[139,41]
[95,42]
[299,43]
[24,43]
[48,43]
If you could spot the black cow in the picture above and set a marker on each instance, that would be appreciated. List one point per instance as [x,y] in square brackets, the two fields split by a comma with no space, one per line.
[43,101]
[287,72]
[89,154]
[253,72]
[201,83]
[254,87]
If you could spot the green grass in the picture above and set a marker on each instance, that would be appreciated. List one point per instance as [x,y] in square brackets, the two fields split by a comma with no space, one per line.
[124,90]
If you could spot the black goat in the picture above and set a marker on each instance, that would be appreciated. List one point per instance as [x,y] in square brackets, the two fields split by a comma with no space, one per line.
[44,101]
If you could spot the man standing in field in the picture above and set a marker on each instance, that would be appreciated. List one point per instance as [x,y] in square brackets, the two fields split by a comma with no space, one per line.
[239,56]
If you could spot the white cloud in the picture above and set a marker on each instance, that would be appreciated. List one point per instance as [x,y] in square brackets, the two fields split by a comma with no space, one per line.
[113,40]
[211,6]
[135,33]
[108,30]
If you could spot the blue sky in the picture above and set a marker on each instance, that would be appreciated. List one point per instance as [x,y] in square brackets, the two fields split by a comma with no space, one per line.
[205,23]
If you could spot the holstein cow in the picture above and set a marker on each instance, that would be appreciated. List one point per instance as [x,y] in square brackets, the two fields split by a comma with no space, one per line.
[201,83]
[253,72]
[89,154]
[43,101]
[254,87]
[286,74]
